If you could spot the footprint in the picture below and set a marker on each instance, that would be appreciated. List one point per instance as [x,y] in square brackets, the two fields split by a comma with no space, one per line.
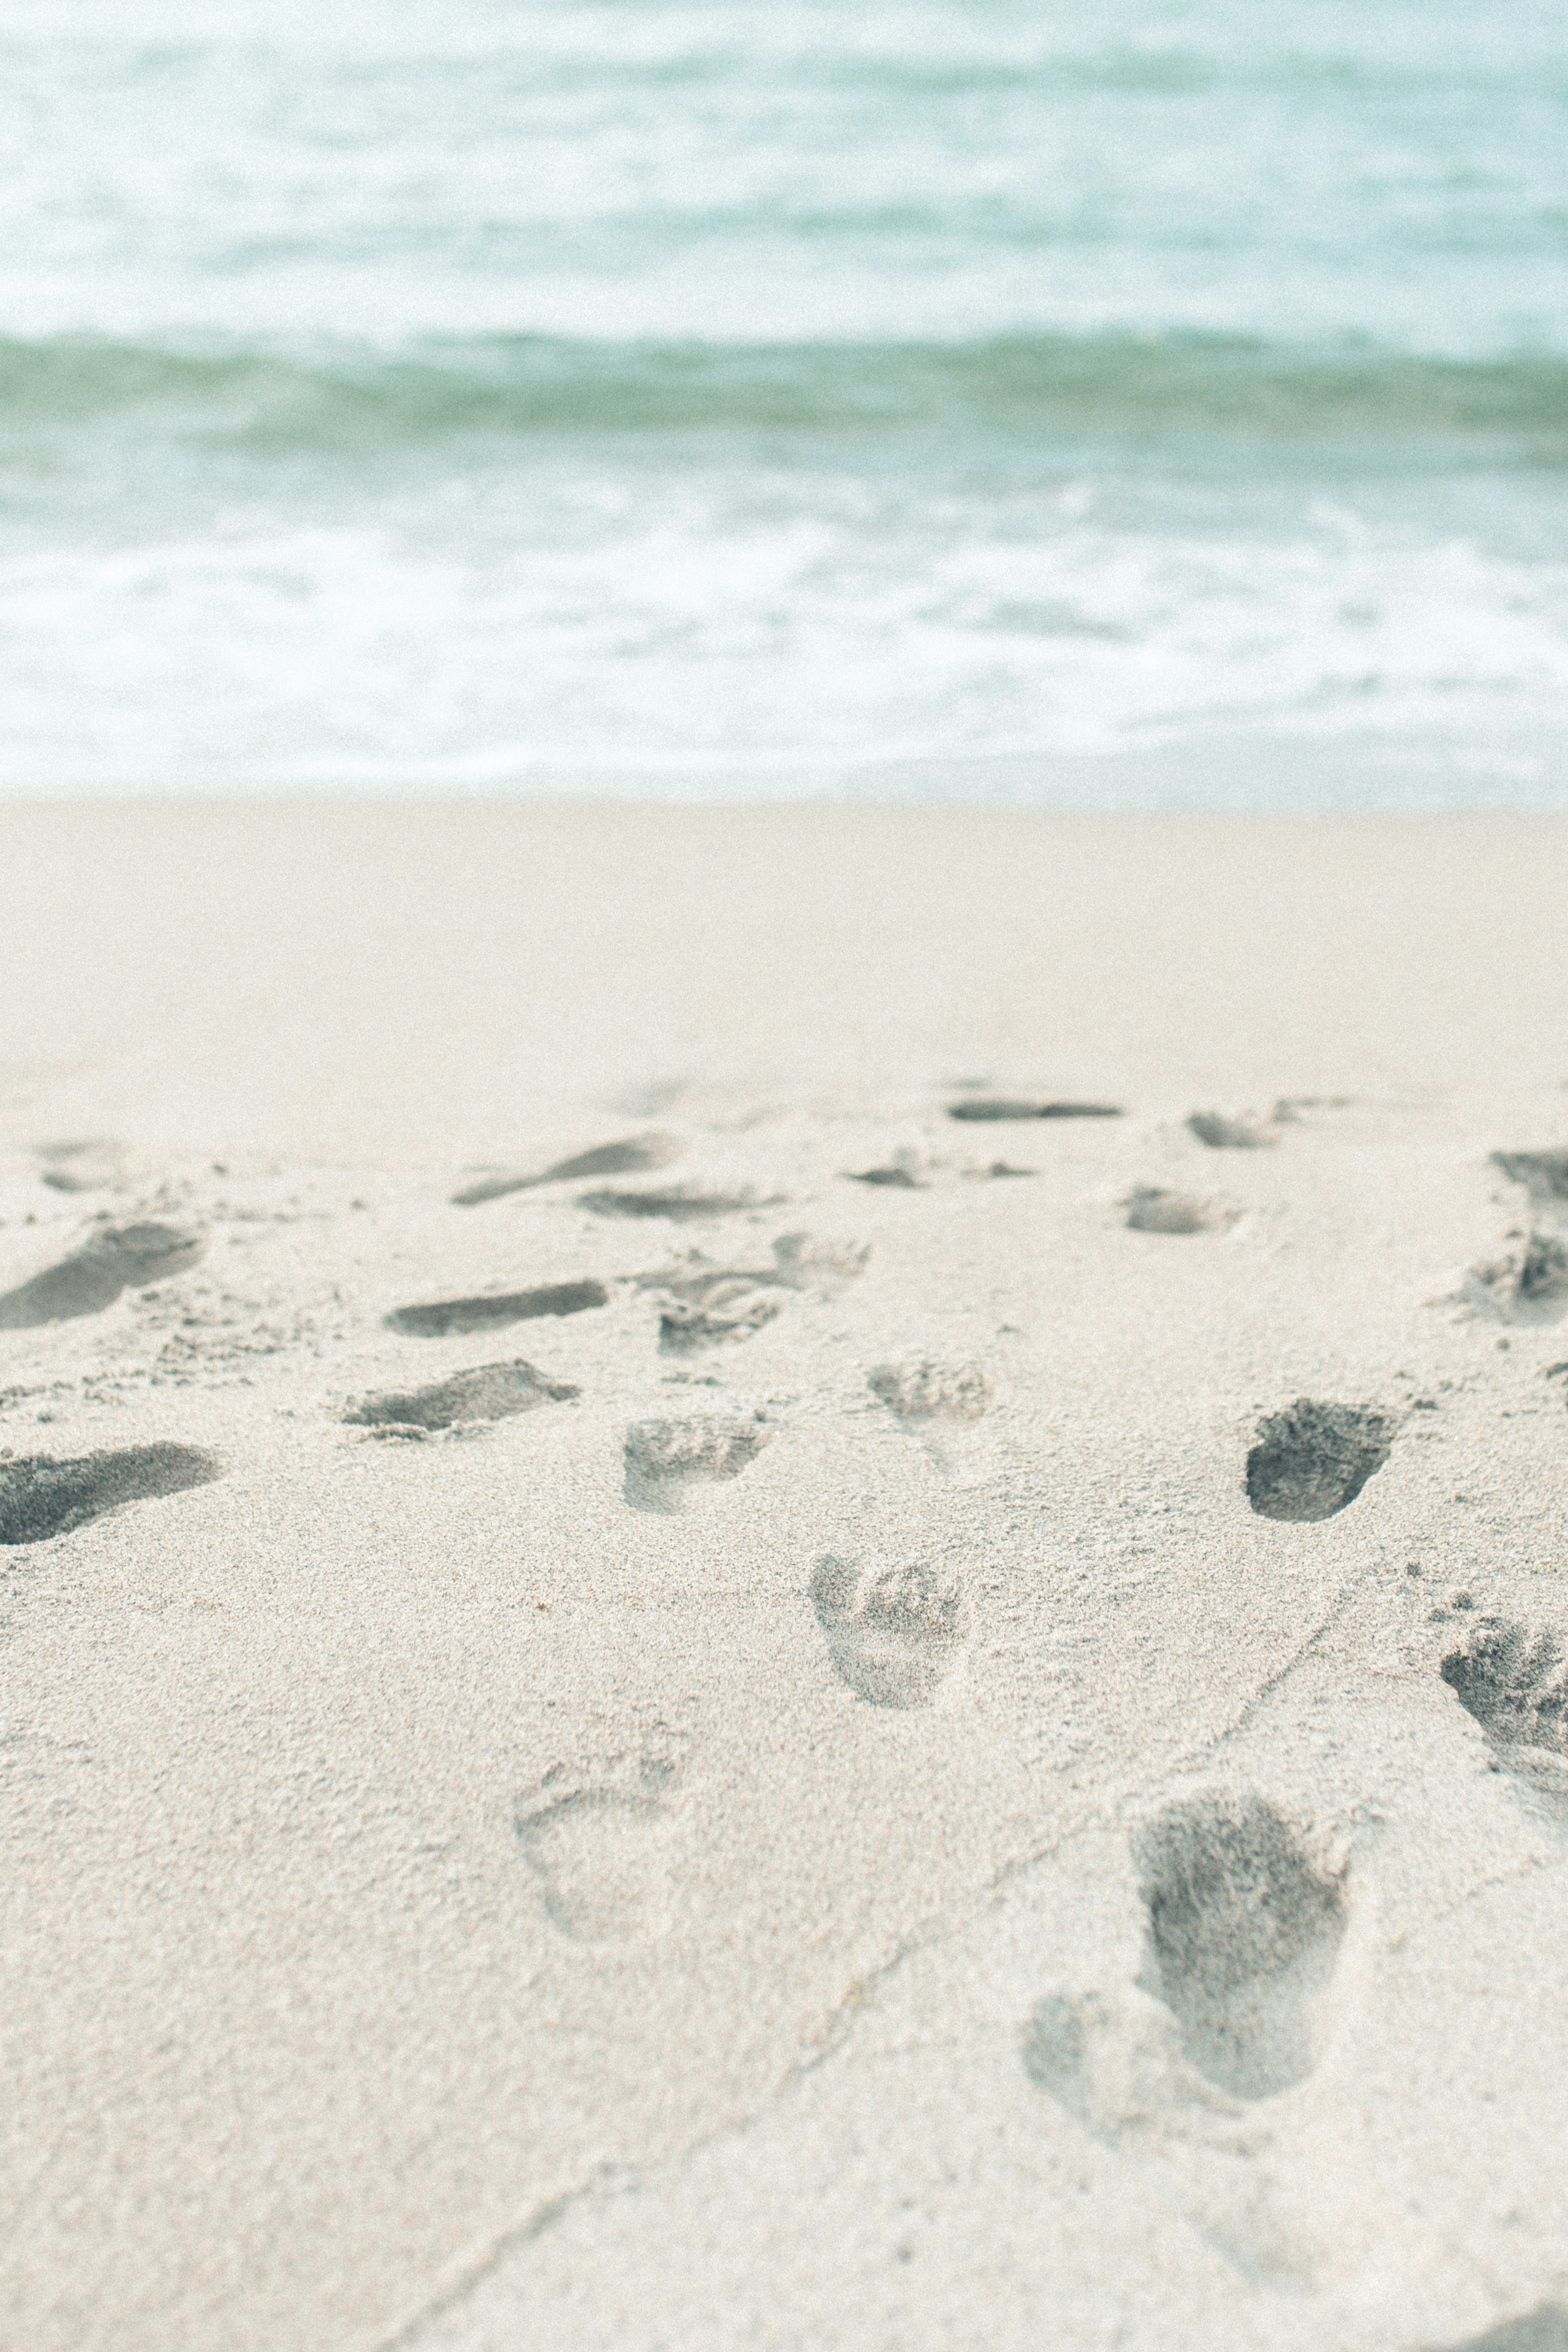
[1224,1134]
[1244,1931]
[732,1308]
[1514,1681]
[88,1167]
[681,1205]
[485,1392]
[803,1263]
[703,1305]
[117,1258]
[671,1464]
[1528,1285]
[928,1391]
[1151,1210]
[995,1107]
[598,1841]
[1544,1173]
[484,1314]
[40,1497]
[1312,1459]
[1545,2329]
[638,1151]
[893,1638]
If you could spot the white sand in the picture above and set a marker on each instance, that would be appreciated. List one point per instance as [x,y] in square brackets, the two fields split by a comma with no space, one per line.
[460,1895]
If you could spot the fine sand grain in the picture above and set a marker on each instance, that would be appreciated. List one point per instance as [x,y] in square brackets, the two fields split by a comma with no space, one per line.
[901,1758]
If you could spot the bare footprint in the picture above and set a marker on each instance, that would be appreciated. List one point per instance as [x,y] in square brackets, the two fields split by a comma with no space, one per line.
[1514,1681]
[924,1392]
[1005,1106]
[1529,1285]
[671,1464]
[1545,1173]
[1545,2329]
[116,1258]
[40,1497]
[1244,1929]
[893,1637]
[1151,1210]
[624,1158]
[726,1308]
[485,1392]
[98,1165]
[597,1840]
[683,1207]
[703,1305]
[1223,1132]
[491,1311]
[1314,1459]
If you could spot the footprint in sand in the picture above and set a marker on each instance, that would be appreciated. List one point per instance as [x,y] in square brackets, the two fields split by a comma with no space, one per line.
[1152,1211]
[1513,1679]
[895,1636]
[1543,1173]
[40,1497]
[925,1392]
[117,1258]
[1545,2329]
[672,1464]
[1312,1459]
[485,1393]
[94,1166]
[625,1159]
[1222,1132]
[1530,1284]
[683,1207]
[1242,1933]
[597,1840]
[1008,1107]
[493,1310]
[703,1305]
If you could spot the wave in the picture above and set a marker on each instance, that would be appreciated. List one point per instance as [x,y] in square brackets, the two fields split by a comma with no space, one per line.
[1041,388]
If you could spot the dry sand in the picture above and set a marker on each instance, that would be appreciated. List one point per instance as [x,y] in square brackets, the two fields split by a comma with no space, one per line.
[747,1745]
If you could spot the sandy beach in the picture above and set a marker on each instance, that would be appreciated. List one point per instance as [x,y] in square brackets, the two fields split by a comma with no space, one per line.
[783,1578]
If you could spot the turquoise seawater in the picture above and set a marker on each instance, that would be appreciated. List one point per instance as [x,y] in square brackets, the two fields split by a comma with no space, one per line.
[445,394]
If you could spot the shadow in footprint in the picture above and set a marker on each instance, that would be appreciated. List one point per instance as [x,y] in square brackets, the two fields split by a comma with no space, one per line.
[1222,1133]
[683,1207]
[893,1638]
[1545,2329]
[1312,1459]
[40,1497]
[1003,1106]
[1544,1173]
[597,1840]
[1152,1211]
[92,1166]
[671,1464]
[1244,1931]
[120,1257]
[486,1314]
[624,1158]
[1514,1681]
[485,1393]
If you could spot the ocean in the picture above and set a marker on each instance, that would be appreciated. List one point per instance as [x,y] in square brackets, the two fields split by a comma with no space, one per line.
[713,401]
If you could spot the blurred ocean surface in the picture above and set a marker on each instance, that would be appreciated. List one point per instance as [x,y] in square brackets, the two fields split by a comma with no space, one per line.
[447,395]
